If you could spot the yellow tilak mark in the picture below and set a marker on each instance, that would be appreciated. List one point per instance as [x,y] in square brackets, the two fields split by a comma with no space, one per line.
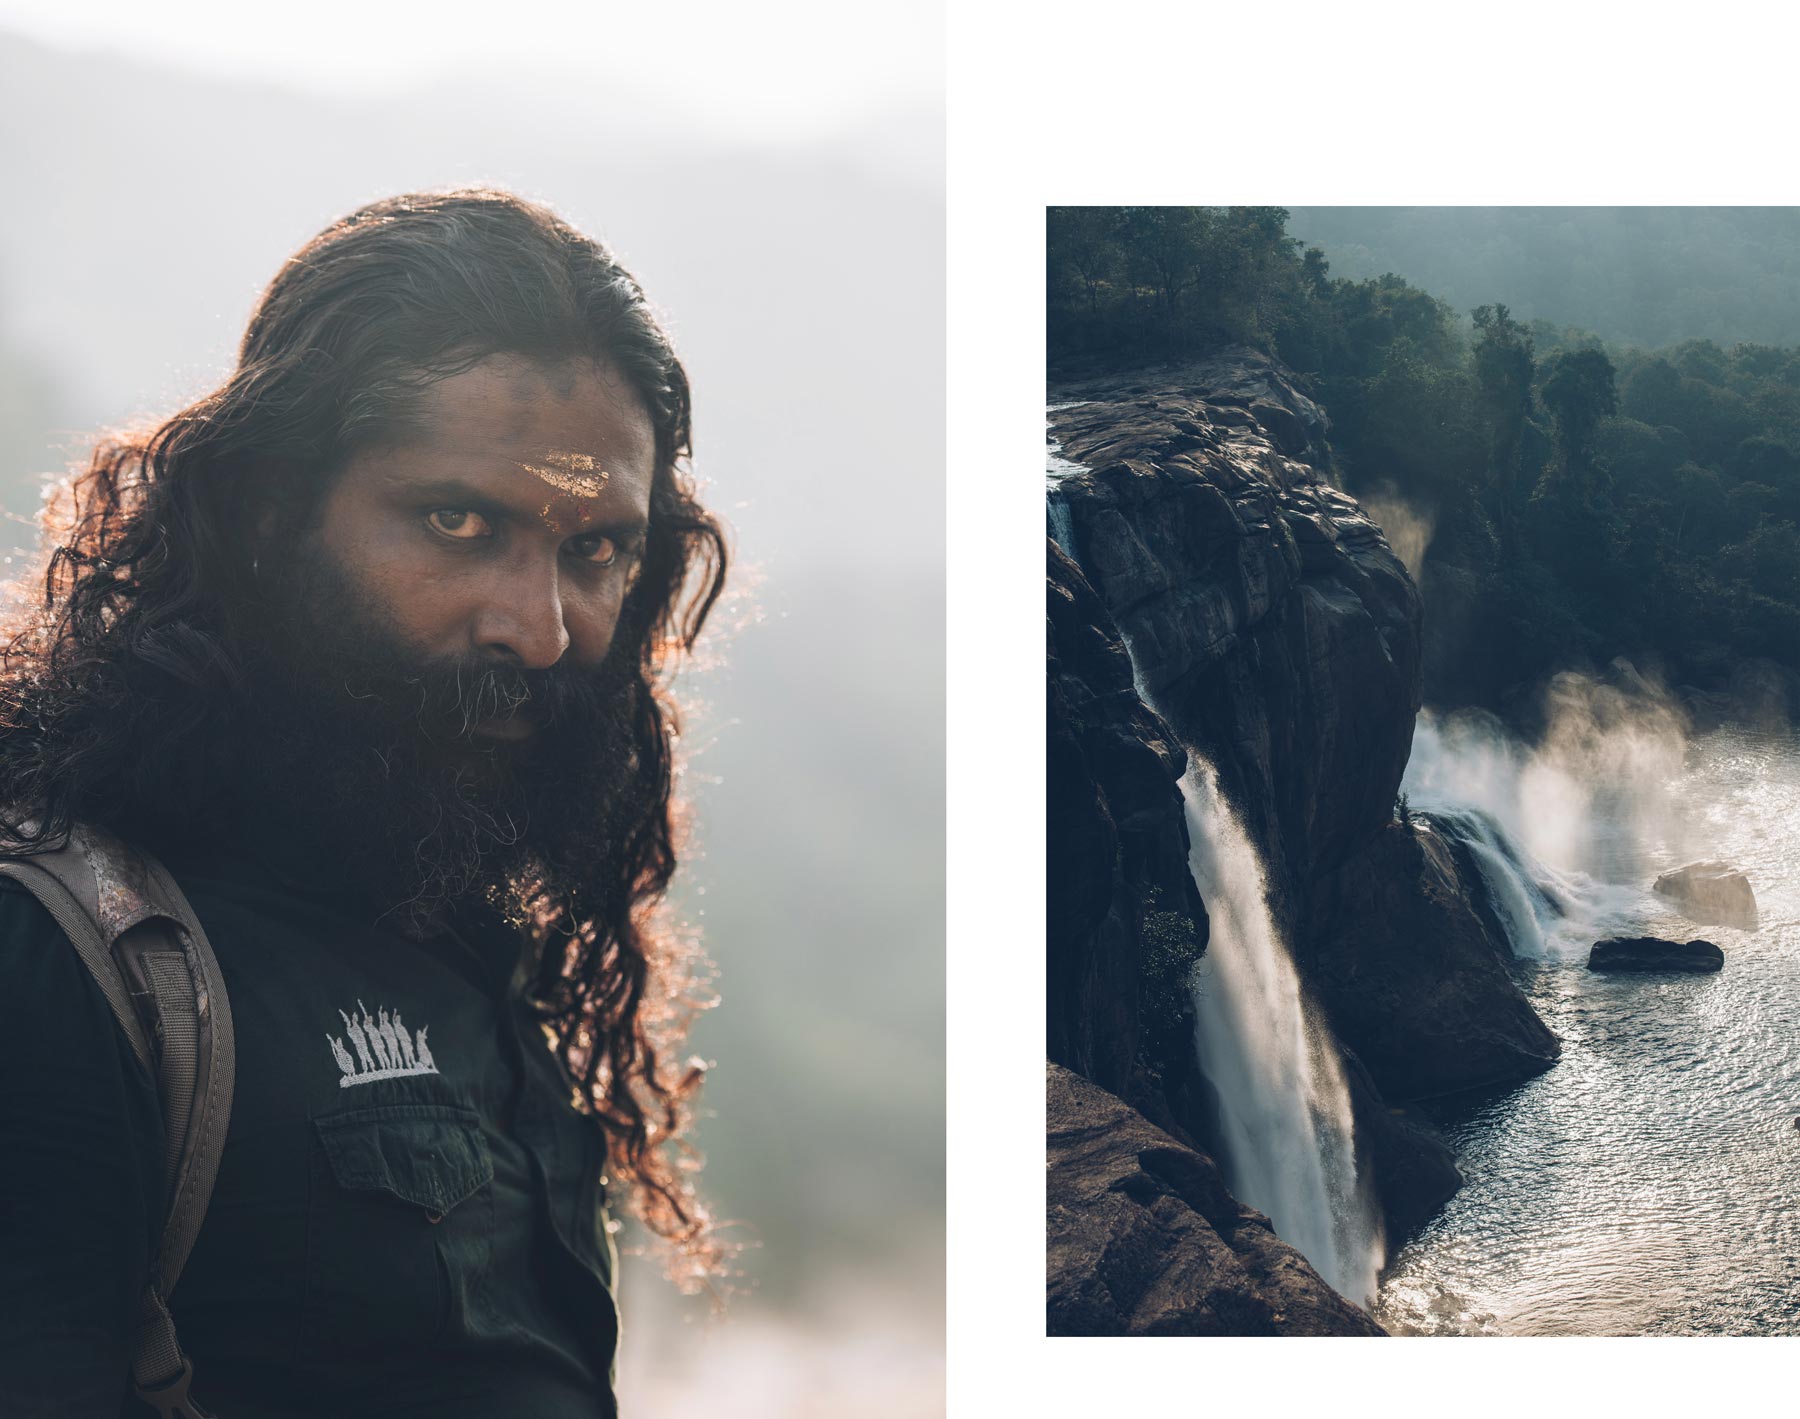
[578,474]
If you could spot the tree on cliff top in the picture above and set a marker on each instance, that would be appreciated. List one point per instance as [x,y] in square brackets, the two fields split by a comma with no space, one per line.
[1579,393]
[1163,248]
[1503,369]
[1137,282]
[1083,241]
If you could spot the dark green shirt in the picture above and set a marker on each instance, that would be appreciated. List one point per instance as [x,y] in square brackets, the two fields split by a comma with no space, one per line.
[409,1212]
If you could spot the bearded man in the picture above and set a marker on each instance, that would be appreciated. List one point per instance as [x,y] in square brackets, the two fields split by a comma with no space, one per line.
[369,648]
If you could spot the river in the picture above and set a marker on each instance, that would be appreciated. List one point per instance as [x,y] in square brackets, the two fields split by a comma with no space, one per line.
[1647,1183]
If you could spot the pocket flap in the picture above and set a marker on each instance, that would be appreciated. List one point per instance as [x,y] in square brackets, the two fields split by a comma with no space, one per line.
[431,1155]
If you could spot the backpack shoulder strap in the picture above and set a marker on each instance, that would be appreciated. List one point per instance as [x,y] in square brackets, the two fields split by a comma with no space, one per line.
[138,936]
[60,891]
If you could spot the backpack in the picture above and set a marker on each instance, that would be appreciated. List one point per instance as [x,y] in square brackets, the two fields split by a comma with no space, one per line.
[136,933]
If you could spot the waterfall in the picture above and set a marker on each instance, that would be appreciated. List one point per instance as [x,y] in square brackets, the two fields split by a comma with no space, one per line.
[1289,1142]
[1062,524]
[1529,823]
[1289,1146]
[1056,468]
[1526,906]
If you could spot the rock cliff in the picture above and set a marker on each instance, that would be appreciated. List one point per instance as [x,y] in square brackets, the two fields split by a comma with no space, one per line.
[1144,1239]
[1116,843]
[1414,973]
[1129,1251]
[1271,623]
[1279,635]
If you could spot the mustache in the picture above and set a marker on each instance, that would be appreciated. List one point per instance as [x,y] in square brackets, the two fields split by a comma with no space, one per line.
[328,649]
[451,699]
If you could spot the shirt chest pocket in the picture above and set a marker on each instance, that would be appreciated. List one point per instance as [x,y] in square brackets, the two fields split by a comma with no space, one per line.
[400,1230]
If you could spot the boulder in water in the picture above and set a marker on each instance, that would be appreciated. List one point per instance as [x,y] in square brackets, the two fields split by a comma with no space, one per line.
[1711,892]
[1652,953]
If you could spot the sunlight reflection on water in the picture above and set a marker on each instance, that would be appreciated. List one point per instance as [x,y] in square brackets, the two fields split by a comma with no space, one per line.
[1646,1184]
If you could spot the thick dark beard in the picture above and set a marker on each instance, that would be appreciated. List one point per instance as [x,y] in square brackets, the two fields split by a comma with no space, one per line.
[366,752]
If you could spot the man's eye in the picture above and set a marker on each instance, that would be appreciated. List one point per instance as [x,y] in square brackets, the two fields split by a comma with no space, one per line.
[596,549]
[459,523]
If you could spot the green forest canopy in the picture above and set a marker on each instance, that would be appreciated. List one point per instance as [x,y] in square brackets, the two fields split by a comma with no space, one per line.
[1588,499]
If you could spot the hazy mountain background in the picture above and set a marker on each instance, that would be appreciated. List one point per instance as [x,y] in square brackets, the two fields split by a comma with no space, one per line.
[1647,276]
[144,209]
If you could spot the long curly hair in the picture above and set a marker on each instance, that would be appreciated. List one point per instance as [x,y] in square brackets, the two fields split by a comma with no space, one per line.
[119,683]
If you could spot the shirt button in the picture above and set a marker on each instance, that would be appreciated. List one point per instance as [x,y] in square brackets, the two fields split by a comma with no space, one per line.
[434,1217]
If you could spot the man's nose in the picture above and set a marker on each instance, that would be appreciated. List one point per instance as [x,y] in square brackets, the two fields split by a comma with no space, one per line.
[522,619]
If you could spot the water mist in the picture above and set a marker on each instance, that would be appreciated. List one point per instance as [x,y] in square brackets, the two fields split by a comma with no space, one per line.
[1563,831]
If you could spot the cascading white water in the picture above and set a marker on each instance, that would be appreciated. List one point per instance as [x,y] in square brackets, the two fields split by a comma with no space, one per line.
[1056,468]
[1524,905]
[1289,1135]
[1062,524]
[1531,822]
[1289,1139]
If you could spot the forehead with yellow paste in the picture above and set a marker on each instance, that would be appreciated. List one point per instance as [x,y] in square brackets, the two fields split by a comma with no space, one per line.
[577,474]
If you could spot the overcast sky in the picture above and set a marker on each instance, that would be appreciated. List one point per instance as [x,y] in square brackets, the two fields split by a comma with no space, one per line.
[775,70]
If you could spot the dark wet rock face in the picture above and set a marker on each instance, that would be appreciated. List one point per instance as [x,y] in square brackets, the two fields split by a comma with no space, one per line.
[1272,624]
[1651,953]
[1144,1238]
[1279,635]
[1412,1169]
[1711,892]
[1412,976]
[1116,838]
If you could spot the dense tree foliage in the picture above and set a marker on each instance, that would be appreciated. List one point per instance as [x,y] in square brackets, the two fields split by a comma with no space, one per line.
[1586,500]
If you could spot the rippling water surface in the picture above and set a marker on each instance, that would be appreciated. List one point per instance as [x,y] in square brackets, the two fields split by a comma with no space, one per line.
[1648,1183]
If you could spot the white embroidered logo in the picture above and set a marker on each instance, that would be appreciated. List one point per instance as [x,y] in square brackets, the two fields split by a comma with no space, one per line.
[383,1046]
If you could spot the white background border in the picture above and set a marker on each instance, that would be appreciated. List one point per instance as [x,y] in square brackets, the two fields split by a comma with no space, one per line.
[1290,104]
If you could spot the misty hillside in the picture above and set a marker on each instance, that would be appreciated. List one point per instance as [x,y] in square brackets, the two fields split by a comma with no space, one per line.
[1648,276]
